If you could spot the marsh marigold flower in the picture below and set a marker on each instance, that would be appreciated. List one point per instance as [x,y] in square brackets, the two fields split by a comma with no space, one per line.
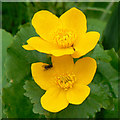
[62,36]
[64,82]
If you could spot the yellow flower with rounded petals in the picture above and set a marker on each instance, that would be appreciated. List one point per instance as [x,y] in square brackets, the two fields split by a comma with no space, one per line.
[66,35]
[64,82]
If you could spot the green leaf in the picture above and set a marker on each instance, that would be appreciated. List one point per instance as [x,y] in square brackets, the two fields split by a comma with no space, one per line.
[17,67]
[18,62]
[0,99]
[15,104]
[108,71]
[99,54]
[111,34]
[97,99]
[34,92]
[96,25]
[97,78]
[13,12]
[7,39]
[115,58]
[112,113]
[110,74]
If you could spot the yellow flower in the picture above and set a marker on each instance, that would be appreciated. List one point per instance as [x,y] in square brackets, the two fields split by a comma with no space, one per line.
[65,82]
[62,36]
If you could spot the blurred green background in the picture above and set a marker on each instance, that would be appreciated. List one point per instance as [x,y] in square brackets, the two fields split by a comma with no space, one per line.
[102,17]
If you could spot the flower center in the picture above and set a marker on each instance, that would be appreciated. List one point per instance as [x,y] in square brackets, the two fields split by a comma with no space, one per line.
[66,81]
[64,38]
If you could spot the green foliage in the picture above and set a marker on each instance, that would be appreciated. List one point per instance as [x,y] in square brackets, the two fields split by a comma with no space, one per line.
[0,102]
[14,12]
[109,114]
[17,67]
[112,113]
[7,39]
[34,92]
[99,54]
[115,58]
[15,104]
[111,34]
[111,76]
[110,71]
[0,99]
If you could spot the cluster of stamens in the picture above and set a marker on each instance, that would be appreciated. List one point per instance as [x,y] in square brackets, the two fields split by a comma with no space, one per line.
[64,38]
[66,81]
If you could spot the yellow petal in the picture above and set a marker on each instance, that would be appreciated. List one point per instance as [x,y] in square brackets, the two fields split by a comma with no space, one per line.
[84,70]
[63,64]
[45,23]
[28,47]
[40,45]
[54,100]
[85,43]
[76,54]
[43,77]
[78,94]
[74,19]
[61,52]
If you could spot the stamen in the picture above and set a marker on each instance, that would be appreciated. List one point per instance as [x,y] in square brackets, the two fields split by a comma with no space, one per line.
[66,81]
[64,38]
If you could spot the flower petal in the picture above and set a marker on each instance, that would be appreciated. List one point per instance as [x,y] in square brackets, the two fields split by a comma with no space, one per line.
[76,54]
[45,23]
[28,47]
[54,100]
[78,94]
[74,19]
[61,52]
[43,77]
[41,45]
[84,70]
[63,64]
[86,43]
